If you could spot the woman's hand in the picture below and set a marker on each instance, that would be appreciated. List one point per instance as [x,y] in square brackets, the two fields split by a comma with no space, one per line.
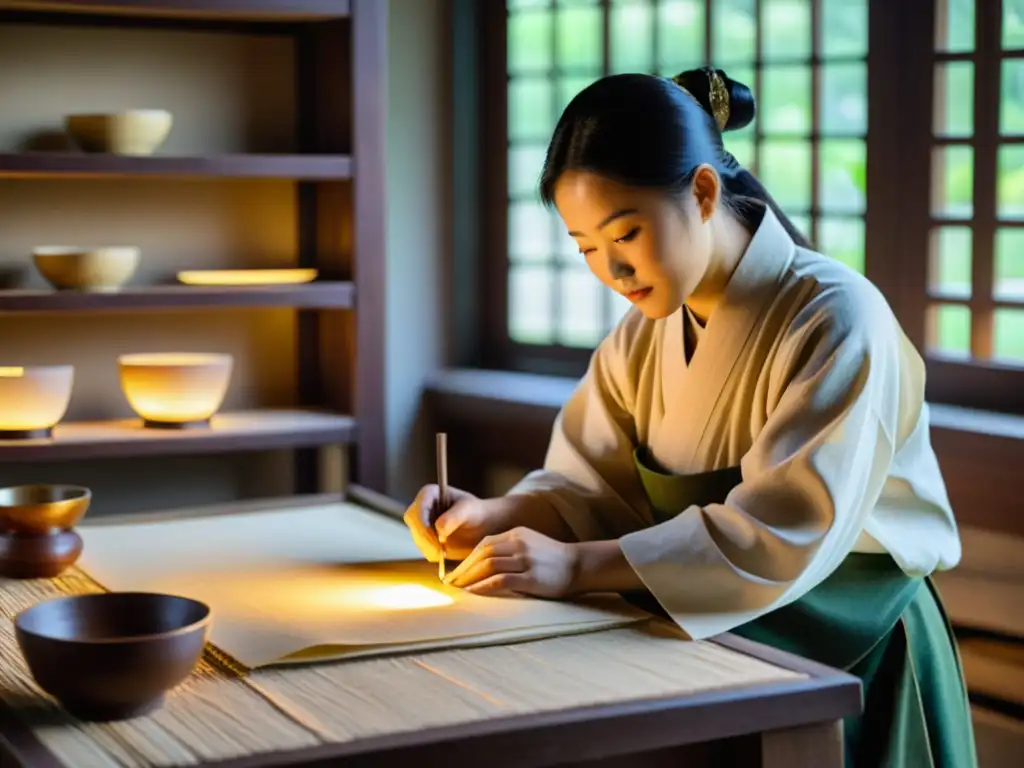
[518,562]
[467,521]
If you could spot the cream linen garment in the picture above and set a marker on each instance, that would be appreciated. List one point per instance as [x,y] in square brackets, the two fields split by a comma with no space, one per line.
[802,378]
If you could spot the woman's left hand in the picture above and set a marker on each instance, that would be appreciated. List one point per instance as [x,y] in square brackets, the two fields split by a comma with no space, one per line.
[521,562]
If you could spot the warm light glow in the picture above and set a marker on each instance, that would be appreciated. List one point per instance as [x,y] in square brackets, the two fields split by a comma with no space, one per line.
[231,277]
[175,388]
[34,397]
[402,597]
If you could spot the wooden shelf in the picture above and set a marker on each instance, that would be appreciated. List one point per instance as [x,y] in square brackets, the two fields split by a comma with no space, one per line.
[245,431]
[317,295]
[243,10]
[35,165]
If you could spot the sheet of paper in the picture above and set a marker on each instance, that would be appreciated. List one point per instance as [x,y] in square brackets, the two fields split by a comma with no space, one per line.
[321,583]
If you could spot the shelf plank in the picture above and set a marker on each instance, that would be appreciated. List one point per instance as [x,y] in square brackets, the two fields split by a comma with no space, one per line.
[32,165]
[229,432]
[316,295]
[243,10]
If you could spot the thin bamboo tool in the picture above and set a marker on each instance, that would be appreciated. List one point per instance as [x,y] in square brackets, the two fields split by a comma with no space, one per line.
[442,486]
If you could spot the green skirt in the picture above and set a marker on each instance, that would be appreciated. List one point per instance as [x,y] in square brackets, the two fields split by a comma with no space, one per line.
[869,619]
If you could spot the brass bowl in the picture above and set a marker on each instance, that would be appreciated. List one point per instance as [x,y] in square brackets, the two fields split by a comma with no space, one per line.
[38,556]
[114,655]
[42,509]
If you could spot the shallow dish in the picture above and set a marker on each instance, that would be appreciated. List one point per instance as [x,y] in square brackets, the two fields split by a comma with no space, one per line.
[113,655]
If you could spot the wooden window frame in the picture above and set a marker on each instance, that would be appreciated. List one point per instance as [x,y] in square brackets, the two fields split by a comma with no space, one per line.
[898,219]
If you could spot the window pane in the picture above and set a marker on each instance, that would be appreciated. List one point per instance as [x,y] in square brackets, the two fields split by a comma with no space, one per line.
[524,166]
[954,99]
[734,32]
[953,182]
[1009,268]
[632,43]
[530,109]
[801,221]
[743,74]
[567,251]
[529,41]
[842,240]
[680,28]
[843,171]
[1008,344]
[786,29]
[741,149]
[785,169]
[844,99]
[529,304]
[1013,24]
[949,330]
[1011,182]
[844,28]
[581,311]
[1011,102]
[530,232]
[785,100]
[580,46]
[568,87]
[949,269]
[514,5]
[954,22]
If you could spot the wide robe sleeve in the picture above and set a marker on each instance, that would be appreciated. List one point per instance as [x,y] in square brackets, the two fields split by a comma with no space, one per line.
[815,470]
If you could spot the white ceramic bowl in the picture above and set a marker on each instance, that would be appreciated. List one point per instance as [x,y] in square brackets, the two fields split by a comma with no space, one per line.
[175,389]
[131,132]
[68,268]
[33,398]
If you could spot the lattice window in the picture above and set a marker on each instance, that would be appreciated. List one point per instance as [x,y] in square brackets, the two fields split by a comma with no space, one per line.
[804,59]
[976,275]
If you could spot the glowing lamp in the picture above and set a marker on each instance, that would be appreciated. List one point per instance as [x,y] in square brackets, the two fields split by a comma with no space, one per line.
[174,390]
[243,277]
[33,399]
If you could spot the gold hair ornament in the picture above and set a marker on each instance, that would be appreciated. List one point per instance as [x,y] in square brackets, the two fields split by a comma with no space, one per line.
[718,96]
[719,99]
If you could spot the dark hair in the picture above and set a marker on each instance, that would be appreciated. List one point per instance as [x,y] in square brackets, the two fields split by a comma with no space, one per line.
[654,132]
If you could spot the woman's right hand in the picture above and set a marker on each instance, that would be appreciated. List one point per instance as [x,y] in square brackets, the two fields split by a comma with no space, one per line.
[467,521]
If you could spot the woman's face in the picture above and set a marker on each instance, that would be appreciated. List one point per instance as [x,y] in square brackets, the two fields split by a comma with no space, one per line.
[650,247]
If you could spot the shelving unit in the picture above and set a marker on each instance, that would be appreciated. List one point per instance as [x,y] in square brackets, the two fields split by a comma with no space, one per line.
[337,175]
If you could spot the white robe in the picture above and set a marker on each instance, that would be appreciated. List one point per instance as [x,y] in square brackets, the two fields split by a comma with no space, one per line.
[802,378]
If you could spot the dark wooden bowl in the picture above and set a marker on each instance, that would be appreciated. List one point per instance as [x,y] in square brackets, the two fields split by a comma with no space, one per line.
[114,655]
[42,508]
[34,556]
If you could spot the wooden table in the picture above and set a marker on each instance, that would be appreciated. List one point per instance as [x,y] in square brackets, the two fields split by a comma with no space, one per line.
[621,697]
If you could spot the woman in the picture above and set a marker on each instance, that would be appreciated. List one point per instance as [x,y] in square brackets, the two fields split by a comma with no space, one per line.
[749,446]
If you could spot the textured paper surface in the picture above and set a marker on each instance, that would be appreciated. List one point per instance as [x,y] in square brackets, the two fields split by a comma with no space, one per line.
[319,583]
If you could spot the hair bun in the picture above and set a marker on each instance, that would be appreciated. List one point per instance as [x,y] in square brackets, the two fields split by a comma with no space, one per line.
[738,108]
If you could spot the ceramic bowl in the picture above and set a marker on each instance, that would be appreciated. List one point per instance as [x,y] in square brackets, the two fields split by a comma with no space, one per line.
[131,132]
[113,655]
[68,268]
[40,509]
[33,399]
[38,556]
[175,389]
